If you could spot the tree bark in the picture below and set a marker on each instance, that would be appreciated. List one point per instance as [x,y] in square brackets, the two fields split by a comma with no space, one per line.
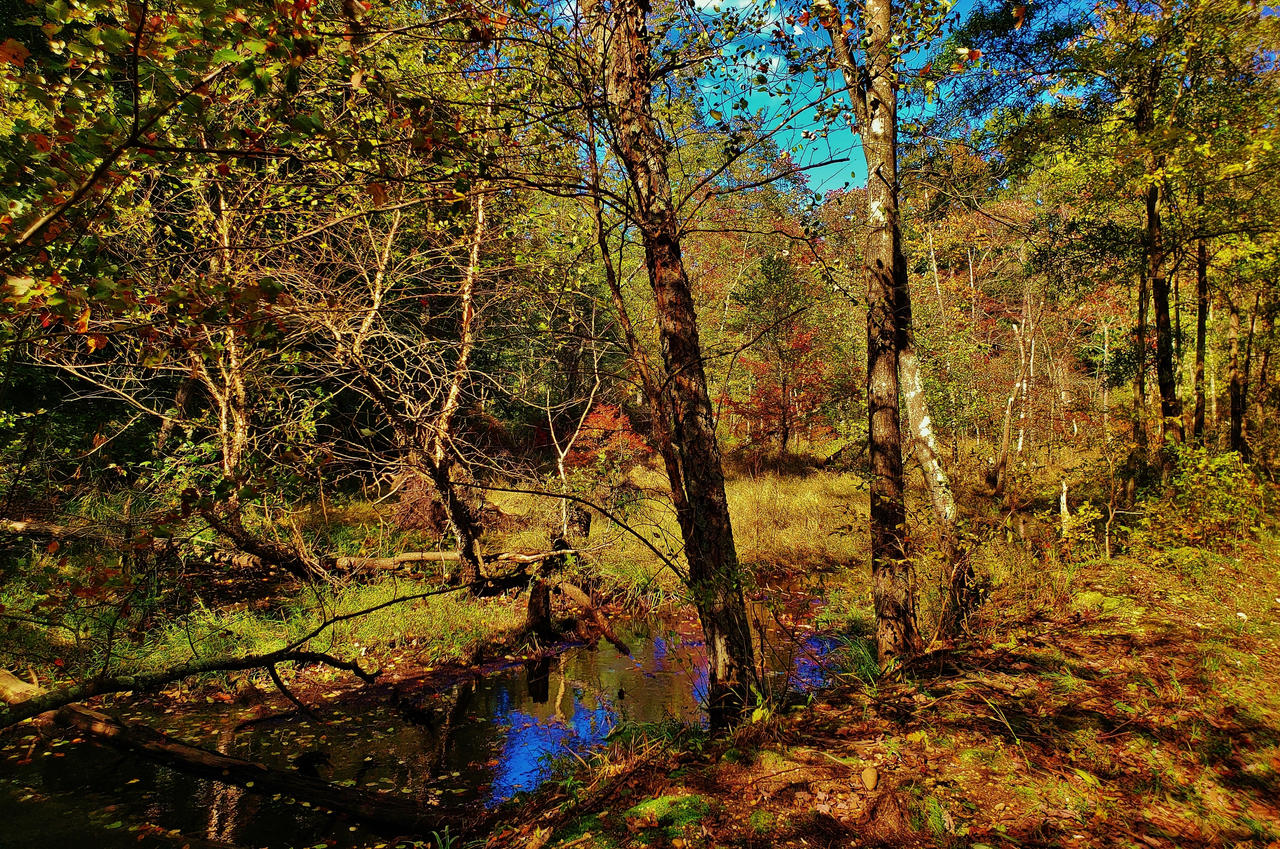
[873,92]
[1140,375]
[1202,324]
[959,575]
[1154,271]
[1235,374]
[462,522]
[1263,381]
[1170,404]
[715,579]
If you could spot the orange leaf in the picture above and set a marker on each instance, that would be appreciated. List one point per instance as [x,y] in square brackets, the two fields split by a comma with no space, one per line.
[1019,16]
[82,323]
[13,52]
[975,55]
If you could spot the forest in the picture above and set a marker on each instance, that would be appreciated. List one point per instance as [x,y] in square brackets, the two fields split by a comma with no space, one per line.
[639,424]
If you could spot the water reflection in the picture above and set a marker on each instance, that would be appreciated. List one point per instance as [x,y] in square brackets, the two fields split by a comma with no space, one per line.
[481,741]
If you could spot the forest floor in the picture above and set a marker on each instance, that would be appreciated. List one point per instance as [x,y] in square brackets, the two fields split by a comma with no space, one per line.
[1140,708]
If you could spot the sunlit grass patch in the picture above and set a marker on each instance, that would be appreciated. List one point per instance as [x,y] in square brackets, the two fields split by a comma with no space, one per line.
[800,522]
[439,628]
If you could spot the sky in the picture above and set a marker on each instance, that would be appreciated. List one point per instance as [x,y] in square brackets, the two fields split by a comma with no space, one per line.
[812,141]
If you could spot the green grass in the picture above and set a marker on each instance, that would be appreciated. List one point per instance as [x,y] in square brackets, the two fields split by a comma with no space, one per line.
[438,629]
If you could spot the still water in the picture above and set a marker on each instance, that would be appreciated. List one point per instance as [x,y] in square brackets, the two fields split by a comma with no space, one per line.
[480,741]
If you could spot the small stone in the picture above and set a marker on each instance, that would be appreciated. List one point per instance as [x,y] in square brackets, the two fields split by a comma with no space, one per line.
[870,778]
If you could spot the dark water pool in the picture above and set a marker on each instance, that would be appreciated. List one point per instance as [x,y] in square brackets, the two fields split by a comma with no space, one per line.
[476,743]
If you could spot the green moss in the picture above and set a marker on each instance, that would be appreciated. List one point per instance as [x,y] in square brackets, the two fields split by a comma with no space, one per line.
[581,828]
[1097,602]
[762,821]
[671,811]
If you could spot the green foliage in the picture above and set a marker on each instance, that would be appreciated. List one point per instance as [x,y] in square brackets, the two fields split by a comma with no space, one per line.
[1213,501]
[857,657]
[1078,532]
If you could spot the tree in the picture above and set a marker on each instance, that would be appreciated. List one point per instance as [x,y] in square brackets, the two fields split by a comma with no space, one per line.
[623,43]
[872,87]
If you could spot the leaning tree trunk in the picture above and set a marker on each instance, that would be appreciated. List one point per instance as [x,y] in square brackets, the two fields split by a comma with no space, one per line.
[466,531]
[715,578]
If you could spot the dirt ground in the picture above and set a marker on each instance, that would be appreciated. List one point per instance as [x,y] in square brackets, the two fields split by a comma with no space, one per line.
[1141,709]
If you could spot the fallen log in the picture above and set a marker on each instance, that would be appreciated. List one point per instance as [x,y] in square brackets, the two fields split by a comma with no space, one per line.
[582,599]
[406,557]
[26,705]
[51,530]
[254,552]
[375,808]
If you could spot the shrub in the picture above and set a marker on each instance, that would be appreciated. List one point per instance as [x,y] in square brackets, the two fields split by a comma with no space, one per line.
[1212,501]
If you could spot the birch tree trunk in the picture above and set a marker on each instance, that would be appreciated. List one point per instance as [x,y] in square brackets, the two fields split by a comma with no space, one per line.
[466,531]
[941,497]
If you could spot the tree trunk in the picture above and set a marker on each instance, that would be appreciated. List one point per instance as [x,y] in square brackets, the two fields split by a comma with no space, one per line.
[1106,384]
[873,91]
[462,522]
[1006,434]
[1235,374]
[959,576]
[1140,375]
[1248,376]
[1202,325]
[714,574]
[1261,387]
[1170,404]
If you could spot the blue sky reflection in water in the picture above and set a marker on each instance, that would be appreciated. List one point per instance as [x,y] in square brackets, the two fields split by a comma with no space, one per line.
[586,695]
[577,719]
[479,742]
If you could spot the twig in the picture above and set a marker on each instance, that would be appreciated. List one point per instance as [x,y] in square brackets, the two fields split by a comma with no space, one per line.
[275,679]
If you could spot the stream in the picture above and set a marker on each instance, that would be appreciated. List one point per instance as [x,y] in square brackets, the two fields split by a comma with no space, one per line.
[479,741]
